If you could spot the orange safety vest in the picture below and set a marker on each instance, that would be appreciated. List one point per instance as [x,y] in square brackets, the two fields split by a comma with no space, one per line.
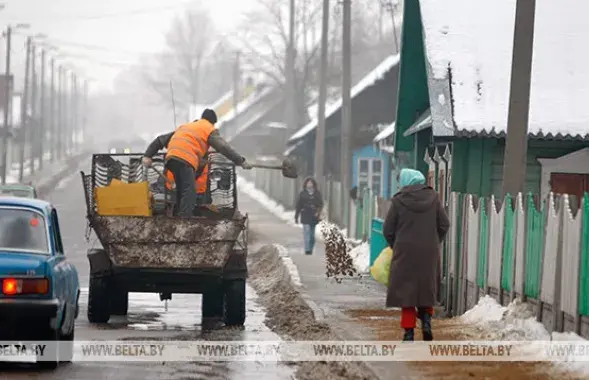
[190,142]
[201,182]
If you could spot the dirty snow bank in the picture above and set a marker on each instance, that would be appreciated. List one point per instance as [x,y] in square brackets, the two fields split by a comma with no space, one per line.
[517,321]
[292,318]
[290,265]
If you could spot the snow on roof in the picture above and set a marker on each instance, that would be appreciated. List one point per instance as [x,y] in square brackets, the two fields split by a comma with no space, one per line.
[372,77]
[244,104]
[292,148]
[474,39]
[222,100]
[250,121]
[276,125]
[385,132]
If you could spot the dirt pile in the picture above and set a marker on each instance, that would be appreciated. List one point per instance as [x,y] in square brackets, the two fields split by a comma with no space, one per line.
[290,316]
[338,261]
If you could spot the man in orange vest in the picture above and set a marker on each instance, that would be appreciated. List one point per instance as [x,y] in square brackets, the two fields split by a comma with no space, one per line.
[201,181]
[186,157]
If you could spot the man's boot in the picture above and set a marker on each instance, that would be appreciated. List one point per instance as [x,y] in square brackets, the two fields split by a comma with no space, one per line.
[426,325]
[409,335]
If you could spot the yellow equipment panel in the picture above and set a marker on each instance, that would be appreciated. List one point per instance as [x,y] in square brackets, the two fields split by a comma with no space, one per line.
[124,199]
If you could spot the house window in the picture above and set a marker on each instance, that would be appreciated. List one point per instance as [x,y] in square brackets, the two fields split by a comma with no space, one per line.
[370,173]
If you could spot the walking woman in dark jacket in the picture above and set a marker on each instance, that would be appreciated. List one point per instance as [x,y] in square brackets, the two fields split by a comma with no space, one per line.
[309,206]
[415,227]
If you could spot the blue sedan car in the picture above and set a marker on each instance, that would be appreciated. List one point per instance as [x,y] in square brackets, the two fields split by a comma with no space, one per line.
[40,288]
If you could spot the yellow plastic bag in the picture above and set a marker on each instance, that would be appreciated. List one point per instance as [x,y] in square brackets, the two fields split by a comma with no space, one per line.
[381,268]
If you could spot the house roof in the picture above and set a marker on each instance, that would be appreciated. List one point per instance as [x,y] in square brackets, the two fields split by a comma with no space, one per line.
[243,105]
[423,122]
[385,132]
[371,78]
[263,110]
[471,43]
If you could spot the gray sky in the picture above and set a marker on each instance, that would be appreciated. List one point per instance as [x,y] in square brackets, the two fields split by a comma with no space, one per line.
[127,27]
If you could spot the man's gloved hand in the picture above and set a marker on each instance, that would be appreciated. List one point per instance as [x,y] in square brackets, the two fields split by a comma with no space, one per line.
[246,165]
[147,161]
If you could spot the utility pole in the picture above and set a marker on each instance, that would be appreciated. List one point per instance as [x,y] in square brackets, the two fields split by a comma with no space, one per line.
[23,113]
[52,141]
[85,110]
[32,128]
[74,113]
[236,82]
[7,106]
[290,109]
[59,119]
[43,113]
[66,114]
[516,142]
[346,156]
[320,134]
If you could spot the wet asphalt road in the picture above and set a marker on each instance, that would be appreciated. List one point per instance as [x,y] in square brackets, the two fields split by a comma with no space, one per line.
[147,320]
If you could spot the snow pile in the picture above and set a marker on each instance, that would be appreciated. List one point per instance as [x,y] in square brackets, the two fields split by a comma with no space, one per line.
[473,40]
[361,257]
[486,310]
[517,322]
[268,203]
[289,264]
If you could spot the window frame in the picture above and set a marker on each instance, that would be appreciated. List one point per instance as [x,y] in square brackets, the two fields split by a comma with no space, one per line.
[370,173]
[49,251]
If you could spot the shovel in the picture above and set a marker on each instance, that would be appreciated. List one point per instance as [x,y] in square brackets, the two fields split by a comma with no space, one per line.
[288,167]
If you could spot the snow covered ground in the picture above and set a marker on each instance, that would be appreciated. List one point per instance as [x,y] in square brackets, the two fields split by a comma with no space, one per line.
[360,252]
[517,322]
[13,174]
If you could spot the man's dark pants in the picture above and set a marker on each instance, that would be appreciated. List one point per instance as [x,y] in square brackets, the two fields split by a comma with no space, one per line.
[185,186]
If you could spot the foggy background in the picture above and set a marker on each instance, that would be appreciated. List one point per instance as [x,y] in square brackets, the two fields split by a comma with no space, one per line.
[136,52]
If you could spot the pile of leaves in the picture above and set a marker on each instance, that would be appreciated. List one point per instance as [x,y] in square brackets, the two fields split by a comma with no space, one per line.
[338,262]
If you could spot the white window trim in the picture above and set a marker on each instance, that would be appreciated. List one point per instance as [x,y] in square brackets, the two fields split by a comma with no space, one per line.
[370,173]
[573,163]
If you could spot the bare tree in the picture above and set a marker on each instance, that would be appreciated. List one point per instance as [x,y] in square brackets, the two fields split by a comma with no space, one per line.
[264,39]
[190,40]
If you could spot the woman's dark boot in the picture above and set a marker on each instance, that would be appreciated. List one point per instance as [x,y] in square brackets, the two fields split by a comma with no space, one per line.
[426,326]
[409,335]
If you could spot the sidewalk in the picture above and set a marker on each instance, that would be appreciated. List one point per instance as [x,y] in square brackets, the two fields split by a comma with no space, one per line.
[355,310]
[52,172]
[337,304]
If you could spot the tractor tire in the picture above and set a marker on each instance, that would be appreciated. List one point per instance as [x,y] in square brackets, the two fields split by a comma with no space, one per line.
[99,303]
[234,302]
[212,304]
[119,303]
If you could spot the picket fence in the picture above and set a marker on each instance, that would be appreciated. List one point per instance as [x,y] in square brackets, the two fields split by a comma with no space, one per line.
[520,248]
[285,192]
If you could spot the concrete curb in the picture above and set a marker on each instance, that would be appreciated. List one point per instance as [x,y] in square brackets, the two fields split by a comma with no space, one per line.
[72,163]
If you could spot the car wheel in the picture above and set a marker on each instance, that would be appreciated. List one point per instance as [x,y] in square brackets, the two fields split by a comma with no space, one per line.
[119,303]
[98,300]
[50,360]
[234,302]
